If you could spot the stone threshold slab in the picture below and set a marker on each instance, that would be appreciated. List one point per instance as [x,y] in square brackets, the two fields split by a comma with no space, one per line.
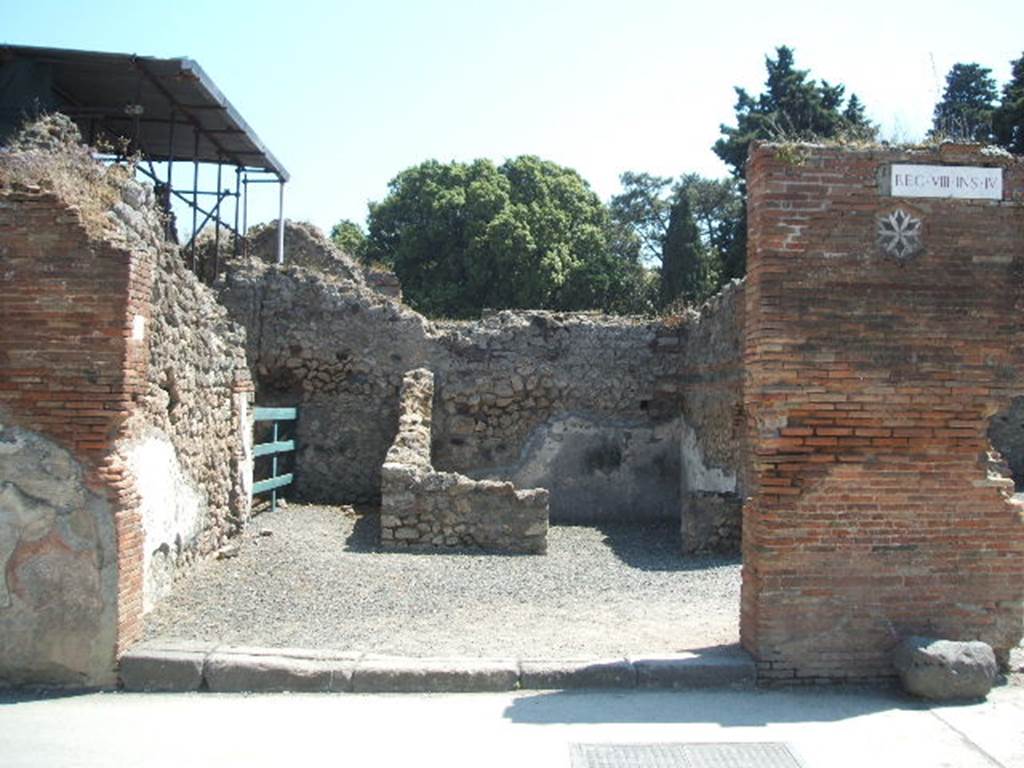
[184,667]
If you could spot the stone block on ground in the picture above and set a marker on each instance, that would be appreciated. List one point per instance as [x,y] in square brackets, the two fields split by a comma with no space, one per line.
[945,669]
[151,669]
[552,675]
[405,675]
[724,667]
[234,672]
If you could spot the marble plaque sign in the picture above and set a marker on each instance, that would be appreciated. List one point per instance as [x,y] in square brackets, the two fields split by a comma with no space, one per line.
[964,182]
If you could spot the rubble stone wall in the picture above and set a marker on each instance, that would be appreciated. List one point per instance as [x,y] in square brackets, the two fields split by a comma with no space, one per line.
[587,406]
[714,461]
[422,508]
[583,405]
[190,444]
[883,333]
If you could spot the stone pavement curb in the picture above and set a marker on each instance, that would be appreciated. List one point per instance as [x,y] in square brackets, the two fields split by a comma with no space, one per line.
[184,667]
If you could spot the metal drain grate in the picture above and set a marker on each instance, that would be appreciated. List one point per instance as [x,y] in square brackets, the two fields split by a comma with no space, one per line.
[702,755]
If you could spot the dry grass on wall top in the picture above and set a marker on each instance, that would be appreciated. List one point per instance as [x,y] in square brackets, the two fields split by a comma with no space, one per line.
[48,154]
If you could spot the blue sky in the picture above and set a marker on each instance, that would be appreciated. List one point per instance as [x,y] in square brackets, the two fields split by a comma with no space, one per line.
[347,94]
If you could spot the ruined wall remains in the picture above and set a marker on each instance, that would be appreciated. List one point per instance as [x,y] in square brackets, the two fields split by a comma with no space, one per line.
[80,251]
[424,508]
[882,335]
[338,351]
[714,460]
[1006,432]
[581,404]
[305,246]
[190,444]
[585,405]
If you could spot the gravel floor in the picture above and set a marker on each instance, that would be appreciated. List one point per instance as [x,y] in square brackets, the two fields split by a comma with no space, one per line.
[319,581]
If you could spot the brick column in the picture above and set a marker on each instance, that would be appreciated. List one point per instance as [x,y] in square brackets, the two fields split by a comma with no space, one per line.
[870,381]
[73,361]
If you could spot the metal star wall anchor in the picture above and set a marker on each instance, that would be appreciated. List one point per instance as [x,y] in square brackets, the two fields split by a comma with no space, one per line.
[899,235]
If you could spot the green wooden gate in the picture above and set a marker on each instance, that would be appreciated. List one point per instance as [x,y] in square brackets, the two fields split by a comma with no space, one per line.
[273,449]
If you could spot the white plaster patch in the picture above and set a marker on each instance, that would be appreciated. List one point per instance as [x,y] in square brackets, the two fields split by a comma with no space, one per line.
[138,328]
[171,508]
[245,464]
[698,476]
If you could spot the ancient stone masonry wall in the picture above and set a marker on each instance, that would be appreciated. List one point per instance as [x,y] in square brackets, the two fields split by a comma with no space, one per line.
[1007,435]
[305,246]
[882,336]
[90,464]
[714,460]
[424,508]
[338,351]
[190,447]
[585,405]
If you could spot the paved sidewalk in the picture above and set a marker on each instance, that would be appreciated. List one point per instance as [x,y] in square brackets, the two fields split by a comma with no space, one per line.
[824,728]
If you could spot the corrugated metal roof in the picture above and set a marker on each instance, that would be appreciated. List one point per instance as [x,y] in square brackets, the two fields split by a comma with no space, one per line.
[135,96]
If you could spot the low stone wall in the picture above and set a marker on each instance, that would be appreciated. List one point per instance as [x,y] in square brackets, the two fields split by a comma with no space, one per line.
[422,508]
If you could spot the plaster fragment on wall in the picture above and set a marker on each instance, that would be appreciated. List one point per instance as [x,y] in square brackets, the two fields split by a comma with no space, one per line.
[172,511]
[697,475]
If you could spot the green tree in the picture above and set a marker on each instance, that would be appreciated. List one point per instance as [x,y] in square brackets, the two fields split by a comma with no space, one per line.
[792,107]
[719,212]
[463,237]
[643,207]
[649,207]
[349,237]
[682,257]
[1008,118]
[965,111]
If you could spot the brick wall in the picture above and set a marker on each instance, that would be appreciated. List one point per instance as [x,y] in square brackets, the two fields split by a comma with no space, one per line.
[125,447]
[870,382]
[70,371]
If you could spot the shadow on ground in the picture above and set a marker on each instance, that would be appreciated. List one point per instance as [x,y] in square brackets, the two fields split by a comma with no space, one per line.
[12,696]
[650,546]
[728,708]
[364,533]
[654,546]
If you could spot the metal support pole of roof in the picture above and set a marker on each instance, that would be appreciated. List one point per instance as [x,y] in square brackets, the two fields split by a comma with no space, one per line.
[170,179]
[238,197]
[280,224]
[209,215]
[216,226]
[245,210]
[195,197]
[184,196]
